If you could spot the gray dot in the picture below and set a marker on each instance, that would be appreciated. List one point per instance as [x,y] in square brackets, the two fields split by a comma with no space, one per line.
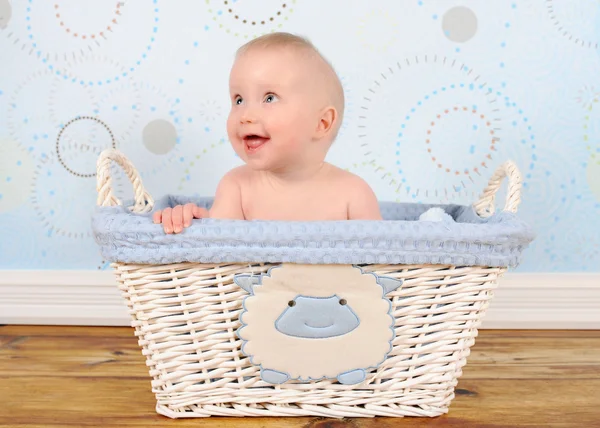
[459,24]
[159,136]
[5,13]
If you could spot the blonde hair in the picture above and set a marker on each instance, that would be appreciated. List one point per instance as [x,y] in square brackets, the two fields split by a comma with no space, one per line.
[282,39]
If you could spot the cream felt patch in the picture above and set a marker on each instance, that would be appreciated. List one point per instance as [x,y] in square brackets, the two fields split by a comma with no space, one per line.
[309,322]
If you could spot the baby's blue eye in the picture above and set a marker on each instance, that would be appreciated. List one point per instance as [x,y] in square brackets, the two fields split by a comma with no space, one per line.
[238,100]
[270,98]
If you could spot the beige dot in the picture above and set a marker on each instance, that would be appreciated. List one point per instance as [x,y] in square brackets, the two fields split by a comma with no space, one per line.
[5,13]
[459,24]
[159,136]
[593,176]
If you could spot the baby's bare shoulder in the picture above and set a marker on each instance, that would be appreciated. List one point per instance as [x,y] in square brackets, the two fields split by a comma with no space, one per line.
[348,180]
[238,175]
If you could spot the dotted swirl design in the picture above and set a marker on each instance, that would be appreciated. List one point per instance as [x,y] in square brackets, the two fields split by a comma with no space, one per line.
[227,18]
[63,204]
[92,35]
[118,100]
[381,84]
[83,146]
[444,114]
[16,172]
[589,97]
[190,164]
[53,60]
[230,4]
[561,28]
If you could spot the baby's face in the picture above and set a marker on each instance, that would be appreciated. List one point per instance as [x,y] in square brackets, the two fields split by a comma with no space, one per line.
[273,114]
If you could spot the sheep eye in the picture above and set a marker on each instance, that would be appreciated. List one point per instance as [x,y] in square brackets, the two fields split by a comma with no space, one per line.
[291,303]
[343,302]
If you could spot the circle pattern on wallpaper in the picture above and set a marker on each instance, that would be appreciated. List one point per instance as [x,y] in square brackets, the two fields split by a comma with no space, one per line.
[572,248]
[593,177]
[191,165]
[86,154]
[210,110]
[550,195]
[62,203]
[55,34]
[29,123]
[459,24]
[5,13]
[577,21]
[378,30]
[250,19]
[47,20]
[589,98]
[72,27]
[20,246]
[66,101]
[159,136]
[398,110]
[153,122]
[117,101]
[16,173]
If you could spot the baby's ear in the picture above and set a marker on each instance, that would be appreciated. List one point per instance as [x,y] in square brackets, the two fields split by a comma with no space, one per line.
[326,122]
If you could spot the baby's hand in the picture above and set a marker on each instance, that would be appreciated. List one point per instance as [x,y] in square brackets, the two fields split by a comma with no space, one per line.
[175,219]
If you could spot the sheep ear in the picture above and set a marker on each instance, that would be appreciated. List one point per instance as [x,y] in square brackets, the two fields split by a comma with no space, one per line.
[389,284]
[247,282]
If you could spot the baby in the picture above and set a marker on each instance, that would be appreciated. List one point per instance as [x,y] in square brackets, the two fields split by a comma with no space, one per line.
[287,105]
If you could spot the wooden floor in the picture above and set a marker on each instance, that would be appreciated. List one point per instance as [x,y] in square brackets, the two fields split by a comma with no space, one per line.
[95,376]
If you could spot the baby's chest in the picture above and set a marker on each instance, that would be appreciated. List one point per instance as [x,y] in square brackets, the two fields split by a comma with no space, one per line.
[294,205]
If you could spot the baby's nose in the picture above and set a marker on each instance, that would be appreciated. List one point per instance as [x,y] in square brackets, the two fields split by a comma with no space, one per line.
[249,116]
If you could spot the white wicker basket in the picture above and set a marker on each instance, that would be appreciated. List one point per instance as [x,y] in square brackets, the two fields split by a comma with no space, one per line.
[186,317]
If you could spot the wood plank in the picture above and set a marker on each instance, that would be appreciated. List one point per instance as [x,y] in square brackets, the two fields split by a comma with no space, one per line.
[83,376]
[65,331]
[78,331]
[103,355]
[107,402]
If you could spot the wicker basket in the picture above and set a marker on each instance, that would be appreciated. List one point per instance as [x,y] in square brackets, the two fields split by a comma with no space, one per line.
[186,316]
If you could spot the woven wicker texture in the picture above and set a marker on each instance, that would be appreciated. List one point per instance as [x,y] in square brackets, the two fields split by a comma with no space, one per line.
[186,316]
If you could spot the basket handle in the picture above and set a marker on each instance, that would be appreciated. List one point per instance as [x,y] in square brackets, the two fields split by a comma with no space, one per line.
[143,201]
[485,206]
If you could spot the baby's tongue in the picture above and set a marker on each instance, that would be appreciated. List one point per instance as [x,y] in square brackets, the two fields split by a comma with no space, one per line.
[255,141]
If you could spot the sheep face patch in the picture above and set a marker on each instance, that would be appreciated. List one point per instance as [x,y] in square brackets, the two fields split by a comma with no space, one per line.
[317,318]
[311,322]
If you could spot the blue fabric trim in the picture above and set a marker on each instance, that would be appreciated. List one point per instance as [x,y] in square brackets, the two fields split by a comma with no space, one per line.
[497,241]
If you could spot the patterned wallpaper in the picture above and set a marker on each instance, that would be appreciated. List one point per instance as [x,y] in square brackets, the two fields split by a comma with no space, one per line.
[439,93]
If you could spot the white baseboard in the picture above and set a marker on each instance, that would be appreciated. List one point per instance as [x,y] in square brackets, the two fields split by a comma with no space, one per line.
[522,301]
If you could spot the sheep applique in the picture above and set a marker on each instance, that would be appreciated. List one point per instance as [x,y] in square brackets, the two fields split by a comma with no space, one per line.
[313,322]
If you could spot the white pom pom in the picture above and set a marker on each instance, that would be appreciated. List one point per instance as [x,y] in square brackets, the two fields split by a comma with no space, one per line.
[435,214]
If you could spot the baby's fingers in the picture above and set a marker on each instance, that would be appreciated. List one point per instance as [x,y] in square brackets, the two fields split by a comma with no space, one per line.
[166,219]
[188,214]
[157,217]
[200,212]
[177,218]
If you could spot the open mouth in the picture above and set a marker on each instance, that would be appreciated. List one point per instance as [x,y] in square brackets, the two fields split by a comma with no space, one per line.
[254,142]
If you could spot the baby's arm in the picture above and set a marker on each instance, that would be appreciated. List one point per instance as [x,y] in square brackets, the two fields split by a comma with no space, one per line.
[227,205]
[363,204]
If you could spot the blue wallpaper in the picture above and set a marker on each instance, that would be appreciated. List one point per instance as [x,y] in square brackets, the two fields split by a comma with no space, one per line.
[439,93]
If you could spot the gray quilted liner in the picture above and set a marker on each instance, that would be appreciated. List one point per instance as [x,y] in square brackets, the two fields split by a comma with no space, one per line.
[400,238]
